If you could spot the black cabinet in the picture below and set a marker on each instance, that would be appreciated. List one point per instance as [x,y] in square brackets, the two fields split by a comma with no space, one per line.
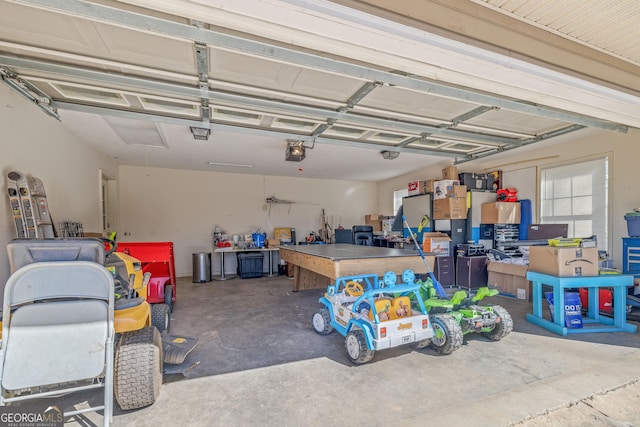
[444,270]
[471,271]
[455,228]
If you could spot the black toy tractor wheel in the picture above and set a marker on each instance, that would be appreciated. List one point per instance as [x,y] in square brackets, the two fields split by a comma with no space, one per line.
[138,368]
[447,334]
[168,297]
[322,322]
[356,347]
[161,316]
[501,328]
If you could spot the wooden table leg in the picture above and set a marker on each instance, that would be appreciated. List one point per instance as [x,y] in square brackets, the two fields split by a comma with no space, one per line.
[296,278]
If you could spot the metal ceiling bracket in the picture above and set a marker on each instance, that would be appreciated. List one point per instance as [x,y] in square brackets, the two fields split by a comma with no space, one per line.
[202,61]
[363,91]
[471,114]
[29,91]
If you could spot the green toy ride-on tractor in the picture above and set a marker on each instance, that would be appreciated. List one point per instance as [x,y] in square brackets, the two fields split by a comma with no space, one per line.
[492,321]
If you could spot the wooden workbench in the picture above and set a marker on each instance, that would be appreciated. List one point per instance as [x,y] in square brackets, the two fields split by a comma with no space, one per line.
[317,266]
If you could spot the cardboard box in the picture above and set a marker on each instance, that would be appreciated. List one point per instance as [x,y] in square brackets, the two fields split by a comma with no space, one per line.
[436,242]
[457,191]
[88,234]
[563,261]
[283,234]
[500,213]
[444,188]
[509,279]
[450,172]
[375,221]
[419,187]
[450,208]
[272,243]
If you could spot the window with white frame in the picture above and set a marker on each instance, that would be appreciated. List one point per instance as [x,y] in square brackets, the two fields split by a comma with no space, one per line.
[578,195]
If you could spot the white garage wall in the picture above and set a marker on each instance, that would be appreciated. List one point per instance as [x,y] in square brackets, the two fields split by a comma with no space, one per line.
[185,207]
[38,145]
[623,151]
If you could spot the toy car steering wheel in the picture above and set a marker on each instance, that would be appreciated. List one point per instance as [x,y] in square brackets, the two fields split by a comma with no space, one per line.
[389,279]
[353,289]
[408,277]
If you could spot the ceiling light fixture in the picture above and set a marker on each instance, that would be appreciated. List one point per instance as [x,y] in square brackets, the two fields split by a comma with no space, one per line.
[229,164]
[389,155]
[295,151]
[200,134]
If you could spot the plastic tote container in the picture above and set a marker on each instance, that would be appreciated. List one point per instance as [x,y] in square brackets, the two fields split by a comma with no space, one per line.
[250,264]
[572,309]
[633,223]
[202,267]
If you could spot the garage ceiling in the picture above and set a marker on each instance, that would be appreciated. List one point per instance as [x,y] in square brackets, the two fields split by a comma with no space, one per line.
[141,84]
[612,27]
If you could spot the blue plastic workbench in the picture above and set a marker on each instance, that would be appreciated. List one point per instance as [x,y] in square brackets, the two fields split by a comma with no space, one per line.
[593,321]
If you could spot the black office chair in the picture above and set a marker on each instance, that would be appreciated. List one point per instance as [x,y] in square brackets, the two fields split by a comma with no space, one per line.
[362,235]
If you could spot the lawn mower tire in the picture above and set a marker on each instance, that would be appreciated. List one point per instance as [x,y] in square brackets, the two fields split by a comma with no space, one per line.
[138,368]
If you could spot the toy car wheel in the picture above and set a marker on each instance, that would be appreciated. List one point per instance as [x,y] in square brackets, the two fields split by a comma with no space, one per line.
[161,316]
[503,328]
[322,322]
[356,346]
[138,368]
[168,297]
[447,334]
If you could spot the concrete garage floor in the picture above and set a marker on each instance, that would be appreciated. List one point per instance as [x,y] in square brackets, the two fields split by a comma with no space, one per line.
[260,363]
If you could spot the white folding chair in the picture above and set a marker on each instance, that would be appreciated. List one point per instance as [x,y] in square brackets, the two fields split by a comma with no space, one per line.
[58,333]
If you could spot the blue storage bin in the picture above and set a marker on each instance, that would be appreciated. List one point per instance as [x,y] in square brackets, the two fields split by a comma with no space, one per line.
[633,224]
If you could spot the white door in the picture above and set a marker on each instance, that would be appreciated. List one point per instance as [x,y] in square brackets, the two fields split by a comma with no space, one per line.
[108,197]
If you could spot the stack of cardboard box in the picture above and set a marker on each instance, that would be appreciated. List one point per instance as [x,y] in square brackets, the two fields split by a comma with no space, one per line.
[450,198]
